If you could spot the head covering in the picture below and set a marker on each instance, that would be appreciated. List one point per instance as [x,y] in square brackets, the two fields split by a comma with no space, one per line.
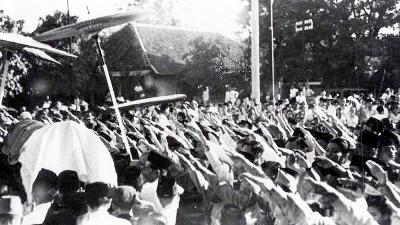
[10,205]
[68,181]
[158,161]
[26,116]
[46,177]
[375,125]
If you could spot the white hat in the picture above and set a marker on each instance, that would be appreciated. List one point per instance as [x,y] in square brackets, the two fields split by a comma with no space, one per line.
[26,116]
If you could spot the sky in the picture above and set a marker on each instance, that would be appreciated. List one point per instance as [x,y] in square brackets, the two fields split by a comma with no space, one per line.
[211,15]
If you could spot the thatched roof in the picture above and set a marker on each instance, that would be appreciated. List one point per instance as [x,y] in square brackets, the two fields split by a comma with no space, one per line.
[159,48]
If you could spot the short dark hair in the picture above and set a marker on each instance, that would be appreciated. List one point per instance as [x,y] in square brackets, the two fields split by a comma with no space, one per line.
[380,109]
[68,181]
[97,194]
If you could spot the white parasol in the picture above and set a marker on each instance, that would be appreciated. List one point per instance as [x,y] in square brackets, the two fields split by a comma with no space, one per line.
[93,27]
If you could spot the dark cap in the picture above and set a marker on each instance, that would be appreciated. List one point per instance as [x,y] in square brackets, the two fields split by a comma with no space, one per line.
[46,177]
[375,124]
[158,161]
[68,181]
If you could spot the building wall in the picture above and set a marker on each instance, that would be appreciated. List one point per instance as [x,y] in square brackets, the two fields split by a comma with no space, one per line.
[166,85]
[124,85]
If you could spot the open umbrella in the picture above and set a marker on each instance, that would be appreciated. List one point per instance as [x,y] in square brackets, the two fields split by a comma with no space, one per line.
[88,27]
[11,42]
[150,101]
[93,27]
[60,146]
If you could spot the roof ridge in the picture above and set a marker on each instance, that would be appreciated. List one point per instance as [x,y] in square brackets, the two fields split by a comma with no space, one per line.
[180,28]
[173,27]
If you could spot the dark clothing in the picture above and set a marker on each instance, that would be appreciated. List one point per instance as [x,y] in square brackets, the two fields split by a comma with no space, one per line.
[69,206]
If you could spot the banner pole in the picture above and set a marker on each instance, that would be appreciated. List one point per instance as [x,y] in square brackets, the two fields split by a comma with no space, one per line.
[4,76]
[113,98]
[255,51]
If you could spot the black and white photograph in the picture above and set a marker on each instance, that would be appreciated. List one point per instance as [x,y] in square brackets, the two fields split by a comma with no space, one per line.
[199,112]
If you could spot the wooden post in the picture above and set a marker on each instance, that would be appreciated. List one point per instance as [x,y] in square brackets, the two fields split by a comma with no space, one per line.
[272,51]
[113,98]
[6,63]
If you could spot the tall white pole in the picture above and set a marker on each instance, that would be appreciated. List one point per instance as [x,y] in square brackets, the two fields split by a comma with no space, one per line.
[113,99]
[272,52]
[255,51]
[5,65]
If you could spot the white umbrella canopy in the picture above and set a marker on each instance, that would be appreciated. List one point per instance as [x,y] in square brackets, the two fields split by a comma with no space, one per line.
[93,27]
[66,146]
[13,42]
[40,54]
[88,27]
[150,101]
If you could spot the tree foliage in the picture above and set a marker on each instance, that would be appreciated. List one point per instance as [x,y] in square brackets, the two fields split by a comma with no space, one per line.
[209,63]
[347,34]
[19,62]
[75,77]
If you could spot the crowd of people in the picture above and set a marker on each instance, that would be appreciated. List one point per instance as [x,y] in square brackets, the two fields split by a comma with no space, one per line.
[310,160]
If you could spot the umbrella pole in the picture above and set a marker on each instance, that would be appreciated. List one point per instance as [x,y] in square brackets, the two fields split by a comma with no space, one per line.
[6,63]
[113,98]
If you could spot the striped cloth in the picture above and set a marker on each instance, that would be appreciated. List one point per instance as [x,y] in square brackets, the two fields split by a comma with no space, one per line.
[17,137]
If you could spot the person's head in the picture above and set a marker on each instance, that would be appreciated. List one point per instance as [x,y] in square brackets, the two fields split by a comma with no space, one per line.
[44,188]
[194,104]
[379,209]
[387,153]
[25,115]
[297,143]
[252,150]
[10,210]
[154,164]
[98,196]
[68,182]
[123,199]
[337,150]
[271,168]
[380,109]
[164,109]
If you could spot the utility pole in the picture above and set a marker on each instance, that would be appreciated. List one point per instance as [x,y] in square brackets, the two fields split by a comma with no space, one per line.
[272,51]
[255,51]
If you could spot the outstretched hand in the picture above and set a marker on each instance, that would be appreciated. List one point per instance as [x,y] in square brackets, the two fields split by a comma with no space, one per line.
[378,172]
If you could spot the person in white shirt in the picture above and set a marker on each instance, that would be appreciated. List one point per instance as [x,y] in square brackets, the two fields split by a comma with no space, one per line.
[352,119]
[233,95]
[44,190]
[308,91]
[301,98]
[330,107]
[380,113]
[293,92]
[168,203]
[394,115]
[205,95]
[10,210]
[386,95]
[228,94]
[98,202]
